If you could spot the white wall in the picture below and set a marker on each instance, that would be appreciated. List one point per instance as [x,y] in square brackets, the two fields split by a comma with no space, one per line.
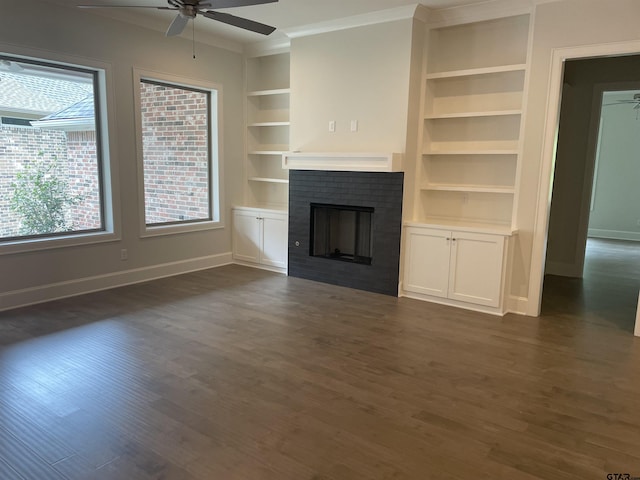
[356,74]
[57,33]
[616,196]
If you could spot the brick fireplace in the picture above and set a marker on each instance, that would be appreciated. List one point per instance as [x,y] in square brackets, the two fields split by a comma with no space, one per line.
[379,193]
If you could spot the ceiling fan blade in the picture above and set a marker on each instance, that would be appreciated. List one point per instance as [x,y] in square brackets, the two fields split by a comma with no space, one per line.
[240,22]
[124,6]
[215,4]
[177,26]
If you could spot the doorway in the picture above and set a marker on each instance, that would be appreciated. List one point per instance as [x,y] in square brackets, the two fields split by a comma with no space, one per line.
[595,160]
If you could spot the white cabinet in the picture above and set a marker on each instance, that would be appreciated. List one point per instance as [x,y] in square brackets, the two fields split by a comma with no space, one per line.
[461,266]
[260,238]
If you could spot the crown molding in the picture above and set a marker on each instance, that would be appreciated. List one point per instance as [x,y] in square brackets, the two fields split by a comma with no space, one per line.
[372,18]
[271,46]
[479,12]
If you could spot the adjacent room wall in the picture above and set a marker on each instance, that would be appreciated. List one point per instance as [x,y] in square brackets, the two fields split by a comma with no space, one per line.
[57,33]
[616,196]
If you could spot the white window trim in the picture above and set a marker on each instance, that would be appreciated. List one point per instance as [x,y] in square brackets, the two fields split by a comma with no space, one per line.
[110,186]
[215,195]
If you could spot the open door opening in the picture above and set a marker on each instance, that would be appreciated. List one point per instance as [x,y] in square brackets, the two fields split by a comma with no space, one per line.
[593,248]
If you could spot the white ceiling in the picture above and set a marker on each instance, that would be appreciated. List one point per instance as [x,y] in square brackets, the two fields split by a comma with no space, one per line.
[285,14]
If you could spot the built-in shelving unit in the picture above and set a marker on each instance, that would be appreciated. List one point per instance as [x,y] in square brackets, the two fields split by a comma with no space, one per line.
[474,84]
[267,114]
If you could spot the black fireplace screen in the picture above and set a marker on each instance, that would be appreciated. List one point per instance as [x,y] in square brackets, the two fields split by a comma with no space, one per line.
[341,232]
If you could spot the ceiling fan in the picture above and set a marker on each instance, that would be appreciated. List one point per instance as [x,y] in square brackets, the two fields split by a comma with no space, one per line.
[635,101]
[189,9]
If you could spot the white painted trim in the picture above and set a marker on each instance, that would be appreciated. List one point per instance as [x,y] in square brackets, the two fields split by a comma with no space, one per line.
[479,12]
[260,266]
[541,226]
[452,303]
[596,166]
[80,286]
[614,234]
[351,161]
[268,47]
[517,305]
[371,18]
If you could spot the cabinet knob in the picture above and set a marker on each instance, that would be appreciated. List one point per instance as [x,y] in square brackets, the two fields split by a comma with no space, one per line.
[448,239]
[453,239]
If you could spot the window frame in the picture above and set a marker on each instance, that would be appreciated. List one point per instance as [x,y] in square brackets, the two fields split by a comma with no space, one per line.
[215,148]
[107,174]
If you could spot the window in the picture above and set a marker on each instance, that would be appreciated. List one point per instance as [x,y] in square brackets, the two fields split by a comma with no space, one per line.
[51,162]
[179,155]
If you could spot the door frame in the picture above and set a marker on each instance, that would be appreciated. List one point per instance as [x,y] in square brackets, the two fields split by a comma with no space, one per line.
[547,164]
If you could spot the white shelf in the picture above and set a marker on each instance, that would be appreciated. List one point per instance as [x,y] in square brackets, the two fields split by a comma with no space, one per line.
[444,223]
[268,180]
[273,91]
[266,207]
[268,149]
[269,124]
[495,113]
[478,151]
[267,130]
[469,188]
[477,71]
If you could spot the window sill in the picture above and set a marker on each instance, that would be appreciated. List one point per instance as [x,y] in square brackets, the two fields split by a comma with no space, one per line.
[156,231]
[72,240]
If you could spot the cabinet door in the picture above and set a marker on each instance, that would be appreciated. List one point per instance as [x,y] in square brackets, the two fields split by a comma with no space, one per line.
[426,265]
[476,268]
[274,240]
[246,236]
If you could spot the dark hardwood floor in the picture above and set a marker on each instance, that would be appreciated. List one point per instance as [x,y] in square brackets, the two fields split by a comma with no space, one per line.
[236,373]
[608,292]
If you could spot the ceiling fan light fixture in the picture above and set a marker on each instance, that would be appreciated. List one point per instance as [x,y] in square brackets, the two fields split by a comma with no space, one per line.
[189,9]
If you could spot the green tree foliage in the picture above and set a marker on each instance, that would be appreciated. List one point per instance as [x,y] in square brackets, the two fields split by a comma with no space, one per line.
[41,197]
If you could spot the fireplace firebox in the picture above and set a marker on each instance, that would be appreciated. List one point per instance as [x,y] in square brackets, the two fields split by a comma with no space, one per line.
[340,232]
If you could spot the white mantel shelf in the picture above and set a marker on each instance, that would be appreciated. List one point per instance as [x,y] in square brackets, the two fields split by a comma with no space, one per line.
[340,161]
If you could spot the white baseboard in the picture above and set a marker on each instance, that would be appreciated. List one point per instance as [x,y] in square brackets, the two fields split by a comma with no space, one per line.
[563,269]
[613,234]
[261,266]
[80,286]
[452,303]
[517,305]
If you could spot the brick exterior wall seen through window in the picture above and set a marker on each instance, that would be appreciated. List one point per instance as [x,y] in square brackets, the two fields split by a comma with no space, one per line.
[18,147]
[82,174]
[175,136]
